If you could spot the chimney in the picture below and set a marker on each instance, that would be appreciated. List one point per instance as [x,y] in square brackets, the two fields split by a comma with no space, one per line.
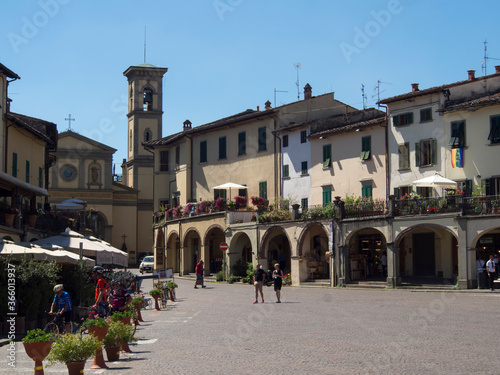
[471,74]
[307,91]
[187,125]
[258,109]
[497,69]
[414,87]
[268,105]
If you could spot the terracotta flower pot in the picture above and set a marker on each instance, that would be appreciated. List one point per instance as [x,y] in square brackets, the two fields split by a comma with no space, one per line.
[75,368]
[124,345]
[99,333]
[157,306]
[113,353]
[32,220]
[9,220]
[37,351]
[172,295]
[138,311]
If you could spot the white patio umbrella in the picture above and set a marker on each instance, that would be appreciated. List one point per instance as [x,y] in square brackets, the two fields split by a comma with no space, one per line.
[119,257]
[229,185]
[437,181]
[58,253]
[9,248]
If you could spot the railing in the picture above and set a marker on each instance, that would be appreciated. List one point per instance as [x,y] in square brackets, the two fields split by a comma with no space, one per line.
[366,208]
[481,205]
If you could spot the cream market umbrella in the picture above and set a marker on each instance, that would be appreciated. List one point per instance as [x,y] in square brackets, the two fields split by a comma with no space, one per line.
[9,248]
[230,185]
[119,257]
[436,181]
[59,254]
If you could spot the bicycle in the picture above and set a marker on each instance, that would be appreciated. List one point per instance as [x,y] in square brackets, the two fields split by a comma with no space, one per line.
[164,297]
[57,325]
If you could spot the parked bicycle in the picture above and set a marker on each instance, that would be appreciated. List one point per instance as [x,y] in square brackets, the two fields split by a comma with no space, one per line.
[57,325]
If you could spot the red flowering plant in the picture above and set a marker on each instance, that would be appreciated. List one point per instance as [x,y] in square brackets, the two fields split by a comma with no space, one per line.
[220,204]
[177,212]
[287,279]
[190,207]
[240,200]
[454,192]
[257,201]
[204,206]
[169,213]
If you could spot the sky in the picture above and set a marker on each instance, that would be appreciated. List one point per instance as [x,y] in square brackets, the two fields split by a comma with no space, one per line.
[226,56]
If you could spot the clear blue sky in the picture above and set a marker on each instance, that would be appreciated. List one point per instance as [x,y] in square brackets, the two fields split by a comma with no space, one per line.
[225,56]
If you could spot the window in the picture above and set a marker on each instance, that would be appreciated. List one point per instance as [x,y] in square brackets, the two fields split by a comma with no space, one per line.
[148,135]
[148,100]
[242,143]
[177,157]
[327,197]
[465,186]
[404,156]
[426,115]
[243,192]
[366,191]
[220,193]
[286,172]
[403,119]
[164,203]
[27,171]
[401,191]
[494,136]
[491,186]
[262,139]
[222,148]
[424,192]
[366,148]
[263,189]
[327,156]
[203,151]
[14,164]
[425,153]
[303,136]
[304,203]
[303,168]
[285,141]
[164,161]
[457,139]
[40,177]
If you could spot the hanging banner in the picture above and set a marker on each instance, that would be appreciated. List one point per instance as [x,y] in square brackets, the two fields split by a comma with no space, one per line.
[457,157]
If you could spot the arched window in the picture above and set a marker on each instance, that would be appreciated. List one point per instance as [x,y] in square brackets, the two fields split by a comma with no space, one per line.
[148,135]
[148,100]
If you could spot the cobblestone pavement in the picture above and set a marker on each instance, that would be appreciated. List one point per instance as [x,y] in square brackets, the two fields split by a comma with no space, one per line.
[217,330]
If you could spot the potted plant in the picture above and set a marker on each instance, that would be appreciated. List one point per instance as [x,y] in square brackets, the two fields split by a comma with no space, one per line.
[113,340]
[171,286]
[240,201]
[10,214]
[231,205]
[98,327]
[37,344]
[156,293]
[257,201]
[137,302]
[74,350]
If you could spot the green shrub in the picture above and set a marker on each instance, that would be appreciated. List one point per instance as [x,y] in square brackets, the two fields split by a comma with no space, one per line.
[220,276]
[73,348]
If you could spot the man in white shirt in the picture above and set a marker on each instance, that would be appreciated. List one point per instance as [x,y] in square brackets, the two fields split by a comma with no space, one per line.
[490,268]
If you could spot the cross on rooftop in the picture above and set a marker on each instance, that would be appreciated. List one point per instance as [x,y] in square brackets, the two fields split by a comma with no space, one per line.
[69,119]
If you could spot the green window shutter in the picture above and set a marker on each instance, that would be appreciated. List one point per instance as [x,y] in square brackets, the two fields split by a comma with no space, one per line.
[285,141]
[222,148]
[433,151]
[262,139]
[417,154]
[14,164]
[366,145]
[286,171]
[303,168]
[468,188]
[366,191]
[304,203]
[40,177]
[242,146]
[420,191]
[401,153]
[410,118]
[203,151]
[327,156]
[27,171]
[263,189]
[327,197]
[395,120]
[461,134]
[396,193]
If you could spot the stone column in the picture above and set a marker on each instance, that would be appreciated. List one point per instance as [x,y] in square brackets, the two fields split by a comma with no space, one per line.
[295,269]
[205,251]
[393,276]
[342,259]
[465,274]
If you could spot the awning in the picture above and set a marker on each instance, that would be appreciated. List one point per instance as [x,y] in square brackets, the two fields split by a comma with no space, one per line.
[23,188]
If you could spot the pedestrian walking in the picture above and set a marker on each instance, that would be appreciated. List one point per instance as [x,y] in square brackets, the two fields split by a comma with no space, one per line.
[383,261]
[278,281]
[198,271]
[490,268]
[259,277]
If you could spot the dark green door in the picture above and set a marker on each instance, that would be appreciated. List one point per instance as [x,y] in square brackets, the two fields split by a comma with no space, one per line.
[424,262]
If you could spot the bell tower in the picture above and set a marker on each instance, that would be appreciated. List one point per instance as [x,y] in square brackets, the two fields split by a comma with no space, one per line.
[145,94]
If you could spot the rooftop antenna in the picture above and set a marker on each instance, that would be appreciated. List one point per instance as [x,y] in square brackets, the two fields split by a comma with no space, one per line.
[275,91]
[69,119]
[486,59]
[378,91]
[364,95]
[297,66]
[144,44]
